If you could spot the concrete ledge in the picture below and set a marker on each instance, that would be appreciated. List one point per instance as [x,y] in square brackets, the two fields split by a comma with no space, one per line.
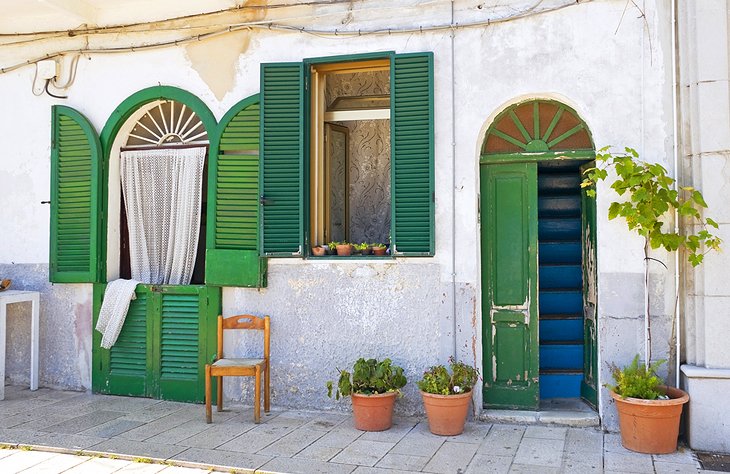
[561,412]
[708,426]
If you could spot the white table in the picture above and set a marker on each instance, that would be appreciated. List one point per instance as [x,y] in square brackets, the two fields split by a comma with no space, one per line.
[15,296]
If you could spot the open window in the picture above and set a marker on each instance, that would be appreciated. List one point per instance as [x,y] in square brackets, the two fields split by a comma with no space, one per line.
[350,159]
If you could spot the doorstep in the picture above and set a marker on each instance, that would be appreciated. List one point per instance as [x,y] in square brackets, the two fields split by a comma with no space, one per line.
[571,412]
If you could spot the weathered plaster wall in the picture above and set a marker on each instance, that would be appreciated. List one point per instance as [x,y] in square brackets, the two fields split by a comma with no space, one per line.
[323,315]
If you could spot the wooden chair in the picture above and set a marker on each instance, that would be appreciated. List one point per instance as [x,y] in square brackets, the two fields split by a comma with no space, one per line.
[222,367]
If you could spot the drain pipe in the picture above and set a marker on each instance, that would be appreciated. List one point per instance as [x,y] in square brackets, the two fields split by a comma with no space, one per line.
[675,148]
[453,184]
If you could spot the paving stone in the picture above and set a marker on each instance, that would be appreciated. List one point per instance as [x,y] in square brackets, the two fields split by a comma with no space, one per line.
[249,442]
[67,441]
[33,421]
[98,466]
[612,443]
[157,411]
[627,462]
[487,464]
[141,468]
[502,440]
[187,470]
[180,432]
[418,443]
[292,443]
[112,428]
[663,467]
[325,421]
[683,455]
[546,432]
[58,463]
[304,466]
[318,452]
[587,463]
[474,432]
[137,448]
[5,452]
[400,428]
[532,469]
[153,428]
[227,459]
[405,462]
[363,452]
[216,435]
[540,452]
[451,457]
[83,422]
[579,440]
[340,437]
[21,460]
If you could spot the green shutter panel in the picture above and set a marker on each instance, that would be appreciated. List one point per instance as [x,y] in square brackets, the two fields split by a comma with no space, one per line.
[75,197]
[232,254]
[282,170]
[509,285]
[412,170]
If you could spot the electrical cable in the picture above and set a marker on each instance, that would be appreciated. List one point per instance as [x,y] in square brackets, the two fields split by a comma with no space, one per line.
[51,93]
[267,25]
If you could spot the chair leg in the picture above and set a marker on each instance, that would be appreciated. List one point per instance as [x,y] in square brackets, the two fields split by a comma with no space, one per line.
[208,414]
[257,396]
[220,394]
[267,389]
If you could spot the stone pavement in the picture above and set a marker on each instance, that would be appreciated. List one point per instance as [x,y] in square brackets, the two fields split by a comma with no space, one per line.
[101,433]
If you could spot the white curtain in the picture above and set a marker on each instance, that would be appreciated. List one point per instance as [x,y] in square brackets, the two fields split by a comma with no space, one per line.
[162,194]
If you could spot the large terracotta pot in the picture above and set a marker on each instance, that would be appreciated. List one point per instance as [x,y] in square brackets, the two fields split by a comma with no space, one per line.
[373,412]
[446,413]
[651,426]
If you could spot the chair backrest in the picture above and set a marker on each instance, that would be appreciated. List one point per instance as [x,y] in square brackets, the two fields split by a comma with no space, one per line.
[244,321]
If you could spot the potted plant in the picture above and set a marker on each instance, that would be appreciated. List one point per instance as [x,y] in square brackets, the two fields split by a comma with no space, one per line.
[330,248]
[379,249]
[652,207]
[364,248]
[446,396]
[344,249]
[648,411]
[319,251]
[373,387]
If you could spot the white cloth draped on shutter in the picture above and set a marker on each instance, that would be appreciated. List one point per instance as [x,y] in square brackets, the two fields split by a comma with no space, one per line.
[162,195]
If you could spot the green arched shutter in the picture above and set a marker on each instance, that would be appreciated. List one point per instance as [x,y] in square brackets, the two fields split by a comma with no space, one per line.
[75,198]
[282,170]
[232,254]
[412,166]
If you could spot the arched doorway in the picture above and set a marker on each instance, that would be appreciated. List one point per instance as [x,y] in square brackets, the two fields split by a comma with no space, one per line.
[538,257]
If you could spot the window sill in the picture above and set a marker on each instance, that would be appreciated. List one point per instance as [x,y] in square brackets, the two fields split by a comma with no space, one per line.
[350,257]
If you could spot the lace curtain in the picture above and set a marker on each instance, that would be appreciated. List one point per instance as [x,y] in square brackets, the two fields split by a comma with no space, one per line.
[162,194]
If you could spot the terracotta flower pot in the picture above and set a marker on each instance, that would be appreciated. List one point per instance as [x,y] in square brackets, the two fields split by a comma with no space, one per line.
[446,413]
[373,412]
[344,250]
[379,250]
[318,251]
[651,426]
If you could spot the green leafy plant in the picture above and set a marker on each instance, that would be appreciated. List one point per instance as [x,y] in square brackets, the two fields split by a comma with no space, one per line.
[333,245]
[651,198]
[377,245]
[362,246]
[368,377]
[437,379]
[637,380]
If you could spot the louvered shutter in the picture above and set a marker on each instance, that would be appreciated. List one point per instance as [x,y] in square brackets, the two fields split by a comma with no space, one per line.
[412,167]
[232,257]
[75,197]
[282,171]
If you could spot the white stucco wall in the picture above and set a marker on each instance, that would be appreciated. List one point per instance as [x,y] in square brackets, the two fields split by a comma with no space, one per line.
[618,81]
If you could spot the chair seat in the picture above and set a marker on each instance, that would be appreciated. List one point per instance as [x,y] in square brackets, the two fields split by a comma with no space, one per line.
[238,362]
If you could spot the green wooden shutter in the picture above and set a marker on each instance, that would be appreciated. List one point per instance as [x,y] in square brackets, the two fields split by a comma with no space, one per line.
[168,337]
[509,285]
[282,170]
[412,173]
[589,385]
[232,254]
[75,197]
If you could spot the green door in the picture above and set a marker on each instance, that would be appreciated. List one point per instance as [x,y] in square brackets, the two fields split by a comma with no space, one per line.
[509,285]
[589,386]
[167,338]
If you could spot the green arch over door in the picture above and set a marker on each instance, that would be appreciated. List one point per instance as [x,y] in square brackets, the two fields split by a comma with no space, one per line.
[534,239]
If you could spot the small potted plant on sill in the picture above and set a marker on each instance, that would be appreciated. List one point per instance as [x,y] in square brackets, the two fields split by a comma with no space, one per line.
[364,248]
[373,387]
[319,250]
[344,249]
[446,396]
[648,411]
[379,249]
